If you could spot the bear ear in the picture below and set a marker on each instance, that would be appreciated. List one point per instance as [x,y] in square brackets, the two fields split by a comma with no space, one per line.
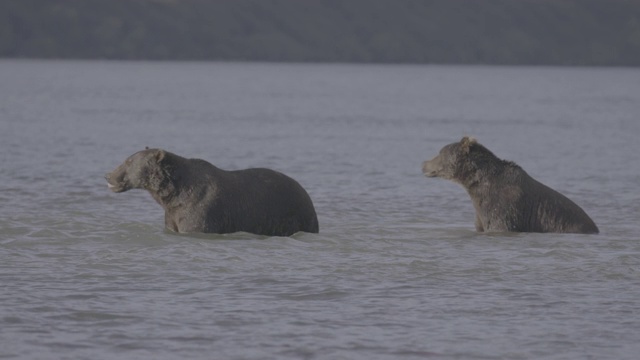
[467,142]
[159,155]
[146,148]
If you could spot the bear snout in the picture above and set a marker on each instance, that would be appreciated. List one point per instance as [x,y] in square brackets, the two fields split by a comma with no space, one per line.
[109,184]
[428,169]
[117,187]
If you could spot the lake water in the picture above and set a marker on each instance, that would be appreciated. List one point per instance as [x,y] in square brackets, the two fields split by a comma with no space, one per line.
[397,270]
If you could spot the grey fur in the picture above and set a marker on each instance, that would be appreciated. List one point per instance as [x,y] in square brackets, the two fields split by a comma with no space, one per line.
[199,197]
[505,197]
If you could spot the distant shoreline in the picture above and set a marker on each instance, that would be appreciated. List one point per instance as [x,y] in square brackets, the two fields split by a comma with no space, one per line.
[438,32]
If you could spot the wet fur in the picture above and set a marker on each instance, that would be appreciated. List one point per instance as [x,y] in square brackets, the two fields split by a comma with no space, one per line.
[199,197]
[504,196]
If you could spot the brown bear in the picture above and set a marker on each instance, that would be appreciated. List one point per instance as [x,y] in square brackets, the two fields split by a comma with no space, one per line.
[505,197]
[198,197]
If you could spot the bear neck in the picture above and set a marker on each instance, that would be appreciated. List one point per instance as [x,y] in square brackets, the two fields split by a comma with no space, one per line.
[162,182]
[481,173]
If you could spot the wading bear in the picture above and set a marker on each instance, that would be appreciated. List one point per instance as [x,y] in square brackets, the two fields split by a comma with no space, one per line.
[198,197]
[505,197]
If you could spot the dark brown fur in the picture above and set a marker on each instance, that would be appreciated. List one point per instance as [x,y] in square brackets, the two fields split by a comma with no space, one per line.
[505,197]
[199,197]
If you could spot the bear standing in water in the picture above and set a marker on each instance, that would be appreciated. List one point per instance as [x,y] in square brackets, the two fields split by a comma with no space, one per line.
[199,197]
[505,197]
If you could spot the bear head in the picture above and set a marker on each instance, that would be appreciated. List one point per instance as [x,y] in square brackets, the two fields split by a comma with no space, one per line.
[141,170]
[458,161]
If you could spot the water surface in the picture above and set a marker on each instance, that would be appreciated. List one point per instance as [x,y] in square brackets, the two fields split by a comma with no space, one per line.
[397,270]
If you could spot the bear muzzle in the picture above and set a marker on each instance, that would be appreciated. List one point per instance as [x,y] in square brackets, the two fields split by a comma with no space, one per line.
[428,169]
[117,187]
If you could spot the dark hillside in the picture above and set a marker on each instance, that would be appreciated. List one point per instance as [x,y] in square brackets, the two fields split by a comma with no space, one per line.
[562,32]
